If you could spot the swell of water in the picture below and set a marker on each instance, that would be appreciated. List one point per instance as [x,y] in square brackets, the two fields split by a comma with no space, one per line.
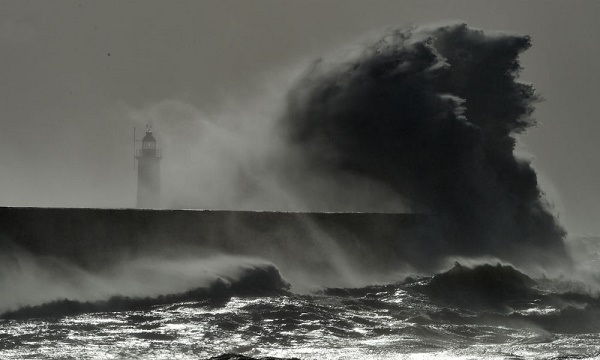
[450,315]
[27,280]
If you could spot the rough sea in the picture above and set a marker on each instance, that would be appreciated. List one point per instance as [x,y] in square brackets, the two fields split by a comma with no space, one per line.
[485,311]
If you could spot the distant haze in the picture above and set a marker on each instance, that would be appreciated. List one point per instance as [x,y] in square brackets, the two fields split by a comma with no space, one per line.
[77,76]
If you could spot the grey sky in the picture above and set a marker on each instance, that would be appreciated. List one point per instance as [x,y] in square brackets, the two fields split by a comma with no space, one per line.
[71,71]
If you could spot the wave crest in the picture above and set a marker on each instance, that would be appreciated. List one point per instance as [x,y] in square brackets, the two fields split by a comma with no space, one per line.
[134,285]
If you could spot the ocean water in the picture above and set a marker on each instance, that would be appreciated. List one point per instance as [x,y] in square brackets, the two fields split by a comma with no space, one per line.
[245,306]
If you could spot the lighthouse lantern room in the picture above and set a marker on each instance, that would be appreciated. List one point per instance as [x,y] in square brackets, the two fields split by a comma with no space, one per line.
[148,166]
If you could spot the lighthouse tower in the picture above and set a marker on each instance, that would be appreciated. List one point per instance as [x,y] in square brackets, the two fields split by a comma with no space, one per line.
[148,159]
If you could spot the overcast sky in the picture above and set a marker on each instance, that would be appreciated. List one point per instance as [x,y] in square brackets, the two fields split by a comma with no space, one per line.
[74,74]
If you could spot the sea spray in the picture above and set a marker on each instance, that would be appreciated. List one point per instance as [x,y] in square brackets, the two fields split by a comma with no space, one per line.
[433,114]
[420,119]
[412,119]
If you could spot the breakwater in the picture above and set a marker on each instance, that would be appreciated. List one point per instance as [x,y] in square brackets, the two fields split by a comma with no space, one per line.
[95,237]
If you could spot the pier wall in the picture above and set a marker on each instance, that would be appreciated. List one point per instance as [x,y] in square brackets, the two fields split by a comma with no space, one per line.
[95,237]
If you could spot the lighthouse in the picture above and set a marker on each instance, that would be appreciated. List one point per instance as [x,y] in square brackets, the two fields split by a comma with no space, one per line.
[148,164]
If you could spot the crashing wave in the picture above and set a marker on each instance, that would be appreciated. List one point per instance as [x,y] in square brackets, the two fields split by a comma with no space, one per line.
[262,280]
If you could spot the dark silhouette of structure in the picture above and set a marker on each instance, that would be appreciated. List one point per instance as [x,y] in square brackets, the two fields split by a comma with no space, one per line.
[148,161]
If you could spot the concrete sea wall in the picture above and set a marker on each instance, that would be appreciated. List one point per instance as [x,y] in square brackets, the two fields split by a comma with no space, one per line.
[95,237]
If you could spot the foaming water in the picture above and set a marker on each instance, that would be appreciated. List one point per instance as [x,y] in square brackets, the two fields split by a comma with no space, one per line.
[413,319]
